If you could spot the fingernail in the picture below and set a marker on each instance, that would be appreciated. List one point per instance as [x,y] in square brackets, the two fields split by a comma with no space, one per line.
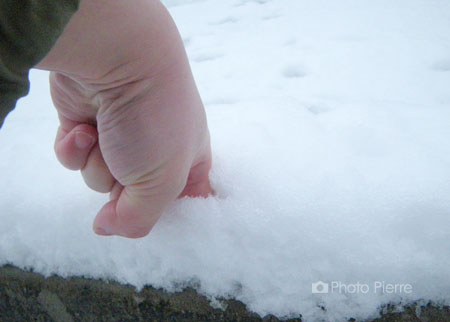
[83,140]
[102,232]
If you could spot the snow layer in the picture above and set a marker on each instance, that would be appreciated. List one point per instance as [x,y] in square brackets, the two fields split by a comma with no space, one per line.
[331,138]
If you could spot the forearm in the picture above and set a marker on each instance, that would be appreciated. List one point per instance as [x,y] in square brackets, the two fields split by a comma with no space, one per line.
[114,51]
[28,30]
[106,35]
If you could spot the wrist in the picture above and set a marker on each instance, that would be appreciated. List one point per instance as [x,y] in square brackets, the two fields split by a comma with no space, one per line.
[107,36]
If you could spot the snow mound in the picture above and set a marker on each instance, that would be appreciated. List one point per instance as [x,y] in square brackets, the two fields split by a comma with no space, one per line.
[331,139]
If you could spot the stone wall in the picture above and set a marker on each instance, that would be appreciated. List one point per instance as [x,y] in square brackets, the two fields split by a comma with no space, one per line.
[27,296]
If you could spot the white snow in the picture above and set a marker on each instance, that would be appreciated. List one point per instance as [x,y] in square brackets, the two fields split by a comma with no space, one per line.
[331,138]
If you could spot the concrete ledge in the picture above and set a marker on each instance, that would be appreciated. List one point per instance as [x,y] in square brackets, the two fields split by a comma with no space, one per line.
[27,296]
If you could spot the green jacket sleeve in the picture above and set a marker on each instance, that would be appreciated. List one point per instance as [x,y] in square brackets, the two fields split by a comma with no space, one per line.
[28,30]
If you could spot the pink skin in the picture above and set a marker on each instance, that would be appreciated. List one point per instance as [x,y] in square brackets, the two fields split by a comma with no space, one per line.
[131,117]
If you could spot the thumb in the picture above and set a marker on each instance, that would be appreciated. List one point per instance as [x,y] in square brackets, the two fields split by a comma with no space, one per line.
[130,216]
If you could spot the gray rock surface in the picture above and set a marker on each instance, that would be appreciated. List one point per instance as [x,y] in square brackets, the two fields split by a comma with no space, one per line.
[27,296]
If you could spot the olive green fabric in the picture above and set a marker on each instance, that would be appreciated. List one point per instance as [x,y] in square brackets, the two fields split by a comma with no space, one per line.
[28,30]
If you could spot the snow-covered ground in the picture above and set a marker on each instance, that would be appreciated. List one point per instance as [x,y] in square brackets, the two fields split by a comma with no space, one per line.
[330,124]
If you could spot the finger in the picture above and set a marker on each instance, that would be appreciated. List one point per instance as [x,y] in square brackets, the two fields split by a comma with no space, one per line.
[72,146]
[198,189]
[129,216]
[116,191]
[76,147]
[198,184]
[140,205]
[96,173]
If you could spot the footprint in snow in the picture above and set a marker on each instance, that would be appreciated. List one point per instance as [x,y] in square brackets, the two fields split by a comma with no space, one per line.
[187,41]
[293,72]
[224,21]
[221,101]
[244,2]
[317,109]
[206,57]
[441,66]
[271,17]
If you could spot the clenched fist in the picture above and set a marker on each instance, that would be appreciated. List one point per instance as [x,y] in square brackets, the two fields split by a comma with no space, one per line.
[131,117]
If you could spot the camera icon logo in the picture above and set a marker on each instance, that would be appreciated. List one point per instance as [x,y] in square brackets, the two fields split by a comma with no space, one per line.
[319,287]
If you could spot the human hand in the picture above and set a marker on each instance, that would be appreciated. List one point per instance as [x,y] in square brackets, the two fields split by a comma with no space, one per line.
[131,118]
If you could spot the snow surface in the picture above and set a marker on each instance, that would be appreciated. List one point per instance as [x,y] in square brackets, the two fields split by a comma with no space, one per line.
[331,138]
